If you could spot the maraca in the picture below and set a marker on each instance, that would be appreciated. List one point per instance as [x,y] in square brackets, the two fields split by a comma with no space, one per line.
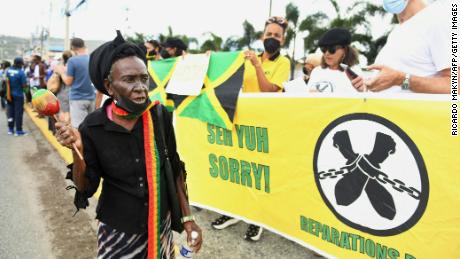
[46,103]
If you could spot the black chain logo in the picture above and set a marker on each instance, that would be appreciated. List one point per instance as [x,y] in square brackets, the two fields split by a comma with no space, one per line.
[372,182]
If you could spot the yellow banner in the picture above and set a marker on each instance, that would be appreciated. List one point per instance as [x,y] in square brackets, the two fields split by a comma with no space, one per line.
[348,178]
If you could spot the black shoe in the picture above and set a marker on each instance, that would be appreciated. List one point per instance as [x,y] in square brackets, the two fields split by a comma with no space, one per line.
[253,233]
[223,222]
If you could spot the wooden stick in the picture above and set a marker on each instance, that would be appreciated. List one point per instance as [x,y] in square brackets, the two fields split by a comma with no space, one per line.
[73,144]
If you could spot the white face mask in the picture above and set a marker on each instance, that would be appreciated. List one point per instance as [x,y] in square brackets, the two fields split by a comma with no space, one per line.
[395,6]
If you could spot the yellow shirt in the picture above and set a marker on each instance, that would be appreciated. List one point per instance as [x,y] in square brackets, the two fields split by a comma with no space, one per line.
[277,72]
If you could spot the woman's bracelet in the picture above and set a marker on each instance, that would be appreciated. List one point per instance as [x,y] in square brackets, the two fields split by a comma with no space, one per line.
[187,219]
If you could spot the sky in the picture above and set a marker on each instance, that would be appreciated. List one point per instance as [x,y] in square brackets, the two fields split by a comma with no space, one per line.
[97,19]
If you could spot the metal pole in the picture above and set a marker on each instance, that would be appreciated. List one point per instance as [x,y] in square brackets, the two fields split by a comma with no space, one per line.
[270,10]
[67,25]
[42,38]
[48,39]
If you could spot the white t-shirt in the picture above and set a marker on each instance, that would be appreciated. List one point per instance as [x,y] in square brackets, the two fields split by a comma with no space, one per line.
[329,81]
[36,81]
[420,45]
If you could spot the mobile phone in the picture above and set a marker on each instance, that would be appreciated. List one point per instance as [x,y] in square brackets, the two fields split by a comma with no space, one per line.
[349,72]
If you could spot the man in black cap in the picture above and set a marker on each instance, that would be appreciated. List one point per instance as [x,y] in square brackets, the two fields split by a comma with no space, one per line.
[123,143]
[173,47]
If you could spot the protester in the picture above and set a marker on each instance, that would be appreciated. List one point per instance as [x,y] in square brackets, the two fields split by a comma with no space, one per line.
[64,90]
[173,47]
[4,68]
[117,142]
[415,57]
[332,76]
[82,93]
[39,72]
[268,71]
[153,49]
[265,72]
[16,82]
[27,90]
[311,61]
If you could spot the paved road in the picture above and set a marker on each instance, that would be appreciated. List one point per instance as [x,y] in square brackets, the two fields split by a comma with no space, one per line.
[23,231]
[36,211]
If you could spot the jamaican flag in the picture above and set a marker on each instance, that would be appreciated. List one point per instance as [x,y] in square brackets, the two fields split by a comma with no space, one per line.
[160,72]
[217,101]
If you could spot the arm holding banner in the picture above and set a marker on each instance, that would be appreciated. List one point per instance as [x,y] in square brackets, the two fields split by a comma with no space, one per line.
[265,85]
[388,77]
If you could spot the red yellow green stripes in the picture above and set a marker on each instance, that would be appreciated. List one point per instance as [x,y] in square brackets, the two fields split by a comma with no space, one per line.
[130,116]
[153,181]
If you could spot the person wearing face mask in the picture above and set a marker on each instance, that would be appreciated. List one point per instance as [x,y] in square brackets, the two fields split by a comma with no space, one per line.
[263,73]
[266,72]
[173,47]
[331,76]
[416,56]
[153,49]
[123,143]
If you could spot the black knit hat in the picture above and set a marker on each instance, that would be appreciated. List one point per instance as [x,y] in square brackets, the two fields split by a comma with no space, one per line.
[102,58]
[335,36]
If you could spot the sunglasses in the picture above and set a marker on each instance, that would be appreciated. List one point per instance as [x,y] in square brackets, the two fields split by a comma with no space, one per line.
[330,49]
[281,21]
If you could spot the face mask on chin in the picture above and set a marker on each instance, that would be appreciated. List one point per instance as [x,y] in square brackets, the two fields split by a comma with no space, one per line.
[130,106]
[395,6]
[272,45]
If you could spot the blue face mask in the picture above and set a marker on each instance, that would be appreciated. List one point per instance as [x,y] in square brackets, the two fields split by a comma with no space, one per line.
[395,6]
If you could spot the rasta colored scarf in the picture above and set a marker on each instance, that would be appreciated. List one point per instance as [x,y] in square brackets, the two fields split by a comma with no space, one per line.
[152,165]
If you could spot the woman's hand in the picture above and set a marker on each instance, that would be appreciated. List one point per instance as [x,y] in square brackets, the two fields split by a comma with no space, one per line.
[251,55]
[66,135]
[358,84]
[386,78]
[190,226]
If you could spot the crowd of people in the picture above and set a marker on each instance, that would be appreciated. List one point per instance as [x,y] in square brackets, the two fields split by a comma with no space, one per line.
[116,139]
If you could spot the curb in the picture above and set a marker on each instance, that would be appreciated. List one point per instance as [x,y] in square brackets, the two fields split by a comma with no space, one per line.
[64,153]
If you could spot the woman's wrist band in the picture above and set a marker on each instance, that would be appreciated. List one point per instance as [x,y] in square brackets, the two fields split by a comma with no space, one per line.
[187,219]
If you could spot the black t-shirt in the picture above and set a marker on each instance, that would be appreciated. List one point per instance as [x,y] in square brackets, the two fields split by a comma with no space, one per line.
[116,155]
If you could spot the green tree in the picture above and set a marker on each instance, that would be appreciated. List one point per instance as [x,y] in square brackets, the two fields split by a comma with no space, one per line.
[356,21]
[231,43]
[187,40]
[137,38]
[249,35]
[314,25]
[214,43]
[292,16]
